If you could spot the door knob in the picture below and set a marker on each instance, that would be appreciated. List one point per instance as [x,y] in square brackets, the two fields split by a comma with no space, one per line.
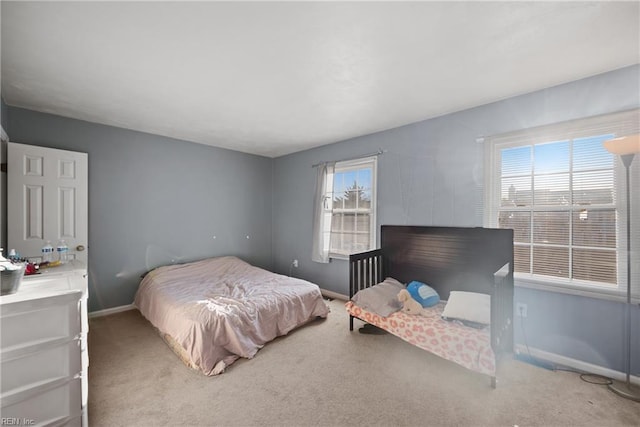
[79,248]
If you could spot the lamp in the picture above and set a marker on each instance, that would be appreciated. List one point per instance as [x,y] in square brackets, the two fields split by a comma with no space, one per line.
[626,147]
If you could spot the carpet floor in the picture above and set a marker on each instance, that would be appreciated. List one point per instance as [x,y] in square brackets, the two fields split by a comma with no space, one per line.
[324,375]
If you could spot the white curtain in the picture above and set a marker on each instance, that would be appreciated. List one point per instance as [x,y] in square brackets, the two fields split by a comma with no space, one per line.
[322,204]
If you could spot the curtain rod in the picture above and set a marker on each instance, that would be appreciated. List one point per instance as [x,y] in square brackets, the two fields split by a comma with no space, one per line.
[377,153]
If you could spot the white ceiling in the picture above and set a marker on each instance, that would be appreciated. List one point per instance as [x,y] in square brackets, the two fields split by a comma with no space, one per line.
[275,78]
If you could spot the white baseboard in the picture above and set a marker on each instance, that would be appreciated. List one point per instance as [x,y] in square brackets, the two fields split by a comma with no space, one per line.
[113,310]
[577,364]
[334,295]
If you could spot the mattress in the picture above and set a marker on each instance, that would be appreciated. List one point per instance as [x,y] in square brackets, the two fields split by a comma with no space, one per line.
[220,309]
[451,340]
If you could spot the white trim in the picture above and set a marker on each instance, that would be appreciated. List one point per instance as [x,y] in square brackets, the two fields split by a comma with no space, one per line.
[361,163]
[621,123]
[577,364]
[112,310]
[334,295]
[610,295]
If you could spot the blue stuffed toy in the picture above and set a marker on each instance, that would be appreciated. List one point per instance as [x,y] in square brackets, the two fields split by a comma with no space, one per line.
[424,294]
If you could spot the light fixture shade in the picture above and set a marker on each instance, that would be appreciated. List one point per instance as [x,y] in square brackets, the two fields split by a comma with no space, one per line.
[623,145]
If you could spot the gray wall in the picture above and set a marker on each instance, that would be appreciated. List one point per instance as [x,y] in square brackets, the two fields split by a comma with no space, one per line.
[154,200]
[432,174]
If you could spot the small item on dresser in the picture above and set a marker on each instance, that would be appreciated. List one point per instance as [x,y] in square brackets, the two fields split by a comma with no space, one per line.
[31,268]
[10,275]
[47,252]
[63,252]
[50,264]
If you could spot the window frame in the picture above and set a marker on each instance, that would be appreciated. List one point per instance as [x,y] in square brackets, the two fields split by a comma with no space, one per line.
[356,165]
[618,124]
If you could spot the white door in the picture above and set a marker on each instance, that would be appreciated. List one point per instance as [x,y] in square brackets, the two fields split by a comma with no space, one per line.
[47,198]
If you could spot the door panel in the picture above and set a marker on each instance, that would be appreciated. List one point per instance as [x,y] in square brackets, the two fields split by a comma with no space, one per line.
[47,196]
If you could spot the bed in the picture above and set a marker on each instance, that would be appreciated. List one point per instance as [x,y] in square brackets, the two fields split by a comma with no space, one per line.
[476,262]
[214,311]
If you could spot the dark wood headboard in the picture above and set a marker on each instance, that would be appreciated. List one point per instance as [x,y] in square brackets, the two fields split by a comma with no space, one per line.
[447,258]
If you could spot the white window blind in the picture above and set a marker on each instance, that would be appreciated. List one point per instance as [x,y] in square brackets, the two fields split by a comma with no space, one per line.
[564,196]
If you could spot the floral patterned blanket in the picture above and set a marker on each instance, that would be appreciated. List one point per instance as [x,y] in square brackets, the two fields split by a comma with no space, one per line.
[451,340]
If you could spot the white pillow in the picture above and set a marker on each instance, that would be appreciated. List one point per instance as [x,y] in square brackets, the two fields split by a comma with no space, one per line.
[468,306]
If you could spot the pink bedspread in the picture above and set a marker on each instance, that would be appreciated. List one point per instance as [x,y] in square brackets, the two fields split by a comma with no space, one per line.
[220,309]
[453,341]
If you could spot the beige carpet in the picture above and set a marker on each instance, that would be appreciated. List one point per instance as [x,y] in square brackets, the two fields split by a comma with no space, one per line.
[322,374]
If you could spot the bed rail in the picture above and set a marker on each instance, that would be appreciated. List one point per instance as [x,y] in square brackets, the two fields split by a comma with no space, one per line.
[365,270]
[502,314]
[502,311]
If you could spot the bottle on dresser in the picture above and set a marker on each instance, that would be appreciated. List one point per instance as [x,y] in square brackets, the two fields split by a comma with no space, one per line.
[47,252]
[63,252]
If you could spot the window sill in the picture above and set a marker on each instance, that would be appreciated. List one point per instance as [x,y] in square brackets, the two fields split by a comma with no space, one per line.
[569,289]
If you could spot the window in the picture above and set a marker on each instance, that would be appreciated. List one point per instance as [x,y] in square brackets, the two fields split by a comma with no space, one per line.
[563,195]
[345,212]
[352,205]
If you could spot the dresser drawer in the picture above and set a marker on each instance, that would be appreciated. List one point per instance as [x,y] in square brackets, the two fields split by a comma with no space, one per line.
[35,321]
[51,404]
[40,365]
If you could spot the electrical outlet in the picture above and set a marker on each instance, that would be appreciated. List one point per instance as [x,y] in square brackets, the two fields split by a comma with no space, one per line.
[295,263]
[521,309]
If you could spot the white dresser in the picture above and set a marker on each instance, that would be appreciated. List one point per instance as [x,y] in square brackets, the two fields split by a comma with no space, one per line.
[43,349]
